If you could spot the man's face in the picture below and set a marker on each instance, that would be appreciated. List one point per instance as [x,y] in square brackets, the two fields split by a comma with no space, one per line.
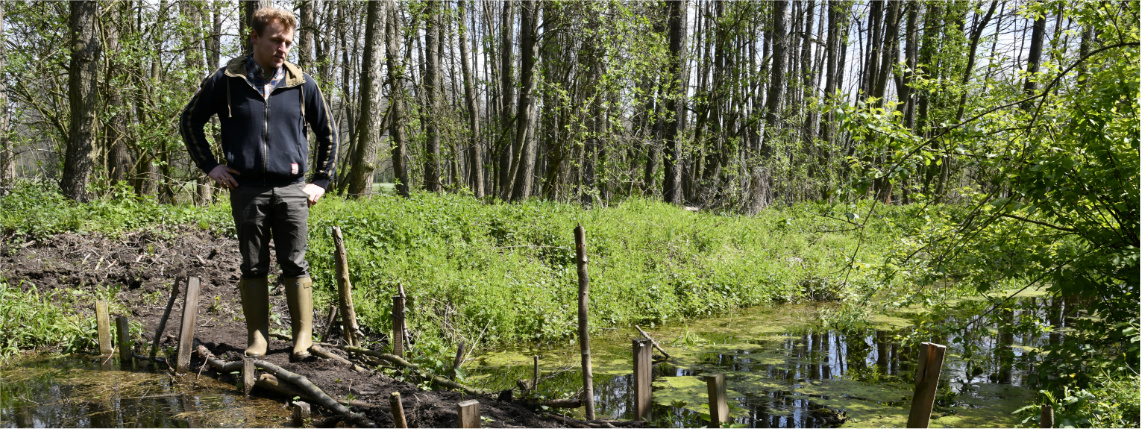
[271,48]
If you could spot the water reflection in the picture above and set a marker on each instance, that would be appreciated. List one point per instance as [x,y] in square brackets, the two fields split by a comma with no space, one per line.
[805,376]
[81,392]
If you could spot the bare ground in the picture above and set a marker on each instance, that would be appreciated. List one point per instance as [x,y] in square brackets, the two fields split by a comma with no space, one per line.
[144,265]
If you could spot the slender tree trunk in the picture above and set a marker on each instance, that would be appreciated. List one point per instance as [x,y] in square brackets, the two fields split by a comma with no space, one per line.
[306,34]
[369,119]
[761,181]
[671,157]
[1033,63]
[431,96]
[507,95]
[247,15]
[475,157]
[528,49]
[396,98]
[7,153]
[976,36]
[83,97]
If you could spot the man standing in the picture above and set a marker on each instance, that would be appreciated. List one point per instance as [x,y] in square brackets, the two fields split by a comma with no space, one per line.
[264,104]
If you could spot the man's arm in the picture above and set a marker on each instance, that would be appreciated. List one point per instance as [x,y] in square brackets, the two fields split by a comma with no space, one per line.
[190,125]
[317,114]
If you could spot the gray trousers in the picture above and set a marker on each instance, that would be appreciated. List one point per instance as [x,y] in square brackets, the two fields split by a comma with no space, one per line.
[265,212]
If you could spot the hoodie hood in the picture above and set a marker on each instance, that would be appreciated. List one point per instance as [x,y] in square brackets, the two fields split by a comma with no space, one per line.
[293,75]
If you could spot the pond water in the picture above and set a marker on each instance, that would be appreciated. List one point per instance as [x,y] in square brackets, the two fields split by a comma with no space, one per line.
[783,369]
[88,391]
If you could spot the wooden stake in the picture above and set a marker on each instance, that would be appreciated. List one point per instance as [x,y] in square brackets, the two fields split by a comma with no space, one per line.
[189,318]
[249,376]
[300,413]
[535,376]
[469,414]
[583,324]
[329,324]
[345,291]
[718,407]
[926,383]
[103,321]
[398,325]
[123,334]
[397,410]
[655,343]
[642,379]
[1047,420]
[162,322]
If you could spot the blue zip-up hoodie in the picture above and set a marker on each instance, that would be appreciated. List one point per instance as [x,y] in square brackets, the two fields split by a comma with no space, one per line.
[265,139]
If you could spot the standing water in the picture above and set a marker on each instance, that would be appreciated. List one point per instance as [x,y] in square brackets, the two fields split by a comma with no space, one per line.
[783,369]
[86,391]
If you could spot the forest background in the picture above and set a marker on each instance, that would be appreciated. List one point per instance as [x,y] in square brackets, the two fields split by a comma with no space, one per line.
[1007,130]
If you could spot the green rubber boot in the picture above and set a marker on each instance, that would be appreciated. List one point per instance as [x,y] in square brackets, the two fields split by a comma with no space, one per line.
[299,296]
[255,306]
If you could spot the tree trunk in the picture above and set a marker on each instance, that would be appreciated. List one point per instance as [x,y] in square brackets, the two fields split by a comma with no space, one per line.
[7,154]
[83,98]
[306,34]
[369,117]
[1033,63]
[431,96]
[528,49]
[475,157]
[671,156]
[507,97]
[761,179]
[396,98]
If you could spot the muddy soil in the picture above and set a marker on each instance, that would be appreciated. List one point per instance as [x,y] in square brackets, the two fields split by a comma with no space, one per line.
[145,264]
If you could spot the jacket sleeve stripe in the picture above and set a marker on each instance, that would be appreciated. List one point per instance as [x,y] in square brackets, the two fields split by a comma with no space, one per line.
[191,122]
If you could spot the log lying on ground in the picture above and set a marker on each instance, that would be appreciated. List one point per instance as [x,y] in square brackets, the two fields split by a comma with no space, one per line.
[397,360]
[598,423]
[298,382]
[321,352]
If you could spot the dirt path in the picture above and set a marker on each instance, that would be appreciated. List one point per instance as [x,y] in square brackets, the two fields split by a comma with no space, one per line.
[144,264]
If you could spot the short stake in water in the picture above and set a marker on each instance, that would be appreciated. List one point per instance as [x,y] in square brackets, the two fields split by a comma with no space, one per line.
[469,414]
[301,413]
[718,407]
[249,376]
[643,367]
[189,318]
[103,320]
[123,333]
[926,383]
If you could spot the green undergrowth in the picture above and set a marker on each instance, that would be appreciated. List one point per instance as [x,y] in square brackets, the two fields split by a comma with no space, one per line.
[497,273]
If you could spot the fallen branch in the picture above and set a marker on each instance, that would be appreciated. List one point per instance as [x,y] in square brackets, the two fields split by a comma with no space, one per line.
[598,423]
[302,385]
[397,360]
[321,352]
[652,341]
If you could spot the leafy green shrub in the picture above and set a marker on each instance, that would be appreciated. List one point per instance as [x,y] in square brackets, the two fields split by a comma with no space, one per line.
[31,321]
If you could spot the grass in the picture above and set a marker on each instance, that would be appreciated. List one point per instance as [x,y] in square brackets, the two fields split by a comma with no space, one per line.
[495,273]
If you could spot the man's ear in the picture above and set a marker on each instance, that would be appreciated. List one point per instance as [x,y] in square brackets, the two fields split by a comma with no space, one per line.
[253,36]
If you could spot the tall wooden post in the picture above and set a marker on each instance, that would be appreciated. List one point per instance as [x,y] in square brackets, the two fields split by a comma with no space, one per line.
[718,407]
[103,321]
[249,375]
[345,290]
[398,325]
[469,414]
[397,411]
[189,318]
[643,377]
[926,383]
[123,334]
[583,325]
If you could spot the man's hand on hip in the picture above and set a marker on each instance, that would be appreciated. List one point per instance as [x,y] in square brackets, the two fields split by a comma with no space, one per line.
[224,176]
[314,192]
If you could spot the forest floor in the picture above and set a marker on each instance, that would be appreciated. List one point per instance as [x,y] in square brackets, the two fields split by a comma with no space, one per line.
[144,265]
